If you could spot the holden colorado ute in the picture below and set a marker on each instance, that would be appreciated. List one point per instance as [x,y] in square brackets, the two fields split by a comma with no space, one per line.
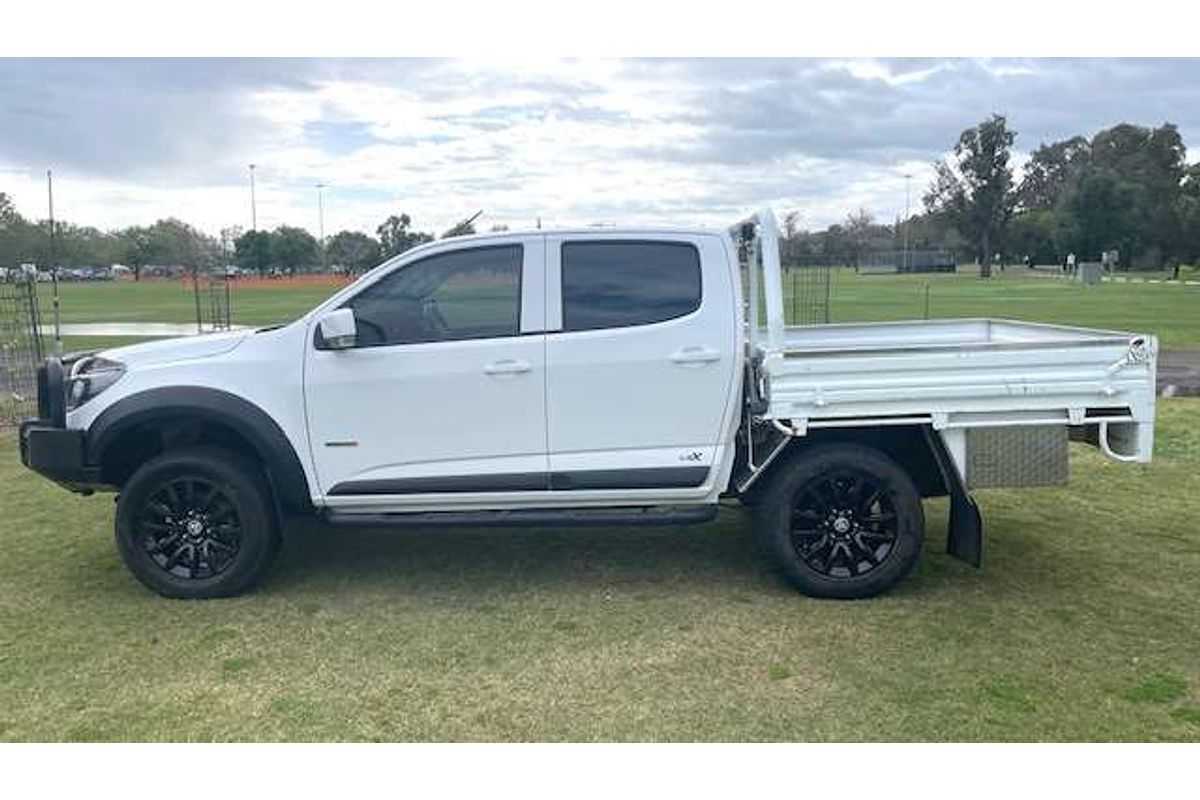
[596,376]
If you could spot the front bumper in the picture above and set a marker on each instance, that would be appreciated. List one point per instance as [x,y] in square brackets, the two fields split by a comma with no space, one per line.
[48,446]
[59,454]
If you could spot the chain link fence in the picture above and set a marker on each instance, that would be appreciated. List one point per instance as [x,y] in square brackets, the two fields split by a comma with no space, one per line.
[21,351]
[806,293]
[805,284]
[213,308]
[906,261]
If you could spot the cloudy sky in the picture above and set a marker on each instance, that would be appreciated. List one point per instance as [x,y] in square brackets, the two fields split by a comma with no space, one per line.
[574,142]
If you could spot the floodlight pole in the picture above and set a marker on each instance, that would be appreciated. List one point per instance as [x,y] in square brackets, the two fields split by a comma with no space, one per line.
[321,225]
[907,179]
[254,224]
[53,269]
[253,204]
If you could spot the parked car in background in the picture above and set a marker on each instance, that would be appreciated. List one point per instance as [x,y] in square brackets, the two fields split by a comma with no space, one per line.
[76,274]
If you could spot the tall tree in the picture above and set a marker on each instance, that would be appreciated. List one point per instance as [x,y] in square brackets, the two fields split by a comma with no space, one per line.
[252,251]
[228,237]
[1032,233]
[137,249]
[1189,216]
[857,228]
[8,213]
[396,235]
[1151,163]
[973,189]
[13,233]
[1097,214]
[1050,171]
[178,243]
[293,248]
[790,237]
[353,251]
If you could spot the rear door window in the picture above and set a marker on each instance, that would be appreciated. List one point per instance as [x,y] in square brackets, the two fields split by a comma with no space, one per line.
[617,284]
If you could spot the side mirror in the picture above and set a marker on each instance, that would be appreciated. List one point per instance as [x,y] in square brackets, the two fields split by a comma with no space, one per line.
[338,329]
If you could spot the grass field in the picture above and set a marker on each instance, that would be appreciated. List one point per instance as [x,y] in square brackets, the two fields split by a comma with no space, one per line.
[1171,311]
[1084,624]
[170,301]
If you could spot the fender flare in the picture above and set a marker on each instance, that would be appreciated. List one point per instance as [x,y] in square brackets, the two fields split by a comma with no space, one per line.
[285,473]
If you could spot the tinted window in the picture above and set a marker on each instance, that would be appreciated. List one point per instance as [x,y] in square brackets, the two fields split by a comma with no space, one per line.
[467,294]
[617,284]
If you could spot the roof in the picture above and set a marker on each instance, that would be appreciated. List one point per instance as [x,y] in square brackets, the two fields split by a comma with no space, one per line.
[643,230]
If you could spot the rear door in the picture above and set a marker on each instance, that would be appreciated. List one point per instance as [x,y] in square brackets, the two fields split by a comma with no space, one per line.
[444,393]
[640,354]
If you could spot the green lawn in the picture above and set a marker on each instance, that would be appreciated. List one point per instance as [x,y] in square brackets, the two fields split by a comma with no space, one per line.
[1171,311]
[1083,624]
[173,301]
[169,301]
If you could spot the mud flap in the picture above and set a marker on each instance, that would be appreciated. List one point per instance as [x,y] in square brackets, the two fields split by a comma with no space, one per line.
[964,537]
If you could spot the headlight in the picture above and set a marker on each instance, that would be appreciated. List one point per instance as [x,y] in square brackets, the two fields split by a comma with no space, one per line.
[89,377]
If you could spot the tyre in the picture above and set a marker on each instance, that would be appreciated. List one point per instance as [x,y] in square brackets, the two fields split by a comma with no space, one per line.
[841,521]
[197,523]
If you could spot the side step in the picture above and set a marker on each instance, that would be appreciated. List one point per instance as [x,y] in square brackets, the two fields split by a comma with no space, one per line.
[527,517]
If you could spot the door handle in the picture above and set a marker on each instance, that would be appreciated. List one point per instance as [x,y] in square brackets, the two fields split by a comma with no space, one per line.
[508,366]
[695,355]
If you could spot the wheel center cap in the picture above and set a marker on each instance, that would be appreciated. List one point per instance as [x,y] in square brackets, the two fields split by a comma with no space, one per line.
[195,527]
[841,525]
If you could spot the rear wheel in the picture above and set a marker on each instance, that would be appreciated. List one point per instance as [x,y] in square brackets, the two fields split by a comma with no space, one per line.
[196,523]
[841,521]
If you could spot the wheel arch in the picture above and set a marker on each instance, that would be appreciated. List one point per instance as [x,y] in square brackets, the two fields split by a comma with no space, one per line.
[142,425]
[908,445]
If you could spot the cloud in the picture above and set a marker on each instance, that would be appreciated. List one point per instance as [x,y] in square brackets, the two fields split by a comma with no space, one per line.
[568,141]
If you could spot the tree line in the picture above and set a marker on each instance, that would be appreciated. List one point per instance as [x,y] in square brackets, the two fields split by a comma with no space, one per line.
[1127,189]
[172,242]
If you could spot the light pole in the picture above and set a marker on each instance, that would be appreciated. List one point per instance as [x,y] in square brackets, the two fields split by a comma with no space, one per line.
[253,205]
[53,267]
[907,179]
[254,226]
[321,225]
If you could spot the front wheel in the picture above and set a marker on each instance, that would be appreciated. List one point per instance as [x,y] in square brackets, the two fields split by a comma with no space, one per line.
[841,521]
[196,523]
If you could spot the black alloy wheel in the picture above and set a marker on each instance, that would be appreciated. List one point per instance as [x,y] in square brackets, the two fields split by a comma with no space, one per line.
[197,522]
[844,523]
[840,520]
[190,528]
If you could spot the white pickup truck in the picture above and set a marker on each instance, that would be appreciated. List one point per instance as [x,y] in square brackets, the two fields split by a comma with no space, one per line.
[595,376]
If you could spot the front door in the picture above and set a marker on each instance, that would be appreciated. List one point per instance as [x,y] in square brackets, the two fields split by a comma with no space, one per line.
[444,392]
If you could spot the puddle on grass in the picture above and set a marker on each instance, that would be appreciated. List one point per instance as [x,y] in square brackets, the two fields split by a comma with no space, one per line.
[161,329]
